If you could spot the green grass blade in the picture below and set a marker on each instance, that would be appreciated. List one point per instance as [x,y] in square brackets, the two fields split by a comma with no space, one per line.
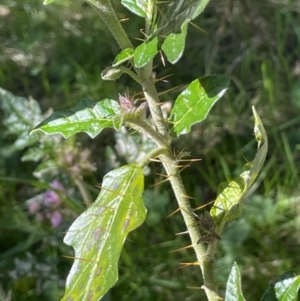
[99,233]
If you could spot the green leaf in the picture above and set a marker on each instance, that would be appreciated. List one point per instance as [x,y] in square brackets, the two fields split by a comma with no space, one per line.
[87,116]
[173,45]
[142,8]
[194,103]
[20,117]
[145,52]
[227,205]
[177,14]
[234,287]
[284,288]
[99,233]
[123,56]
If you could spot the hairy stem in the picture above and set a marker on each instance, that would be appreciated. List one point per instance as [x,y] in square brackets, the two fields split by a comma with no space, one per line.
[107,14]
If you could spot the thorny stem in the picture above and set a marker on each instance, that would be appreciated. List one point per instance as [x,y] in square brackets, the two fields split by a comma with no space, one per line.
[160,137]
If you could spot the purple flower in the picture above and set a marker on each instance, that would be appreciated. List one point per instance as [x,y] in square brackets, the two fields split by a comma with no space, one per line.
[56,185]
[56,219]
[51,198]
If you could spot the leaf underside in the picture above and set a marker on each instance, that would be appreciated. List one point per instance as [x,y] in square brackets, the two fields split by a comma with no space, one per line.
[87,116]
[99,233]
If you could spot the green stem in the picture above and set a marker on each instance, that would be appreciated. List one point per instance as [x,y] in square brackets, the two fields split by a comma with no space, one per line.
[206,263]
[130,73]
[143,126]
[152,98]
[106,12]
[153,154]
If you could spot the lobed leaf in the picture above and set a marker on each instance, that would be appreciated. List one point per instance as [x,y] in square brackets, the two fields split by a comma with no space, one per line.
[99,233]
[284,288]
[145,52]
[173,45]
[87,116]
[233,286]
[195,102]
[227,204]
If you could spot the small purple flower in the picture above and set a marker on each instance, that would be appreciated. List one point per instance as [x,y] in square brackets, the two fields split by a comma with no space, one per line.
[57,185]
[56,219]
[51,198]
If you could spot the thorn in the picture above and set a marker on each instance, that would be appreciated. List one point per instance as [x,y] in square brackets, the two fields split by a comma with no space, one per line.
[155,160]
[162,59]
[139,39]
[160,182]
[180,233]
[178,209]
[169,90]
[109,190]
[198,27]
[83,259]
[162,79]
[191,160]
[161,103]
[188,197]
[125,19]
[163,175]
[183,167]
[142,31]
[181,249]
[203,206]
[195,287]
[188,264]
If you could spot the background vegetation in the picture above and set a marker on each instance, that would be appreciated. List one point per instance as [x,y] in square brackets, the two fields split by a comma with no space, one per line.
[56,53]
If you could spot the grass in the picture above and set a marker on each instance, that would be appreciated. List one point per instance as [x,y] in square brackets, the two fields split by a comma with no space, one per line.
[56,54]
